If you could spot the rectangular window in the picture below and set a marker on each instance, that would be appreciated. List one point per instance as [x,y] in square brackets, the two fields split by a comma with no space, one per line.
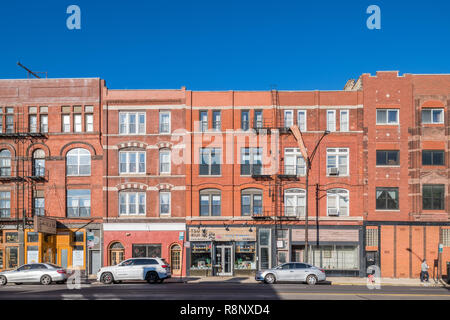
[164,162]
[288,118]
[89,118]
[132,122]
[387,116]
[66,122]
[331,120]
[338,203]
[432,116]
[77,123]
[32,236]
[33,123]
[337,161]
[433,197]
[146,251]
[131,203]
[372,237]
[9,120]
[203,121]
[388,157]
[44,123]
[387,199]
[39,206]
[132,162]
[245,120]
[251,204]
[78,236]
[217,123]
[301,120]
[294,164]
[264,249]
[210,161]
[210,204]
[433,157]
[344,121]
[251,161]
[5,204]
[258,119]
[445,237]
[164,122]
[164,203]
[78,203]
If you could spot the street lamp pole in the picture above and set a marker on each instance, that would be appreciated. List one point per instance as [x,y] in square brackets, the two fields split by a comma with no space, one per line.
[308,168]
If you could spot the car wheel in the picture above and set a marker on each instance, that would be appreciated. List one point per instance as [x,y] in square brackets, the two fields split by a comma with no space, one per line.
[311,279]
[152,277]
[107,278]
[3,280]
[270,278]
[46,280]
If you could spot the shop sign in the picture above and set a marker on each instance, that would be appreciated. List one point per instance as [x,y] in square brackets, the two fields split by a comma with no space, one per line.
[32,256]
[329,235]
[77,258]
[44,225]
[221,234]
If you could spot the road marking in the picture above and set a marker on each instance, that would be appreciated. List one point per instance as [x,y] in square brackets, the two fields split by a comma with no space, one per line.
[368,294]
[73,297]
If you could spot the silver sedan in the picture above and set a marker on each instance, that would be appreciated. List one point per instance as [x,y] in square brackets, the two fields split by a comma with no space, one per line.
[45,273]
[292,271]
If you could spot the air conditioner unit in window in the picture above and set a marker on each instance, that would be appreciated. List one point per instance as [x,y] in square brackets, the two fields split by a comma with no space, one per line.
[333,212]
[333,171]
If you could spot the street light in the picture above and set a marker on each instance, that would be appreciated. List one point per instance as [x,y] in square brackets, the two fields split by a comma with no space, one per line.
[308,160]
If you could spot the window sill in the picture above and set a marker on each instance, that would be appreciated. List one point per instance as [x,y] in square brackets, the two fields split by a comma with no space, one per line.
[80,175]
[387,166]
[387,210]
[210,175]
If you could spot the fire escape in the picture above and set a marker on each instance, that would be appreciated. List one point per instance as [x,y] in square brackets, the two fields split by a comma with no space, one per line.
[23,172]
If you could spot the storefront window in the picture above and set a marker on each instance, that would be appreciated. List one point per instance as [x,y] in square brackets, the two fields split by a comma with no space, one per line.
[146,251]
[32,254]
[245,256]
[78,256]
[33,237]
[264,249]
[12,254]
[12,237]
[282,257]
[335,257]
[201,256]
[78,236]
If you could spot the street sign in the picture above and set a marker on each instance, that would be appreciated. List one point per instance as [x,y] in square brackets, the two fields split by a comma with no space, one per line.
[44,225]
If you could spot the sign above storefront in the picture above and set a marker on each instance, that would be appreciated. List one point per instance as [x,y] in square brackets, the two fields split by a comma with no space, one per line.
[221,234]
[44,225]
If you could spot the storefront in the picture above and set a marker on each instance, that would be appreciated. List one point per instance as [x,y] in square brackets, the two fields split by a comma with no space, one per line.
[222,251]
[135,240]
[9,249]
[338,252]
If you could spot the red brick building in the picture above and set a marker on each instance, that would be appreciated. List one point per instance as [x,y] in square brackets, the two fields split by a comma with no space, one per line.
[144,175]
[51,160]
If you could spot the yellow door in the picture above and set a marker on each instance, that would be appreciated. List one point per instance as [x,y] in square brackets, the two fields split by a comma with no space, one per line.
[64,257]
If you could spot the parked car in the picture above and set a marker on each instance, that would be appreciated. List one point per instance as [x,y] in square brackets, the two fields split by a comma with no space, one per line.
[151,269]
[292,271]
[45,273]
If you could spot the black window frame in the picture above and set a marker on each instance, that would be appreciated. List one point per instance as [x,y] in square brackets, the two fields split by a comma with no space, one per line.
[387,189]
[210,169]
[432,198]
[245,125]
[379,154]
[432,153]
[210,194]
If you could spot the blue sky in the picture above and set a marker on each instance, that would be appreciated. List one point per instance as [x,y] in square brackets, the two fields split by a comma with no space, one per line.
[224,45]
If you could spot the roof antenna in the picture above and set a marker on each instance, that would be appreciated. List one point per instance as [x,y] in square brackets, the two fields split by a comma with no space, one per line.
[30,73]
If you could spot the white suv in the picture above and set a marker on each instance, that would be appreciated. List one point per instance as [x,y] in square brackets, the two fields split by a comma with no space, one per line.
[151,269]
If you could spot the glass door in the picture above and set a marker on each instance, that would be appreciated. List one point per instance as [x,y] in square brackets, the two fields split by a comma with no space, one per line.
[224,260]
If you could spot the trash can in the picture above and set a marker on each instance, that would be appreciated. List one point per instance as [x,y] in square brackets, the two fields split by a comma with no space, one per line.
[448,272]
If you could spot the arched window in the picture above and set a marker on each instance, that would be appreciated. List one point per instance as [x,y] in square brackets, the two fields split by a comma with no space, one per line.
[78,162]
[39,163]
[210,202]
[337,202]
[251,202]
[116,253]
[294,202]
[5,163]
[175,259]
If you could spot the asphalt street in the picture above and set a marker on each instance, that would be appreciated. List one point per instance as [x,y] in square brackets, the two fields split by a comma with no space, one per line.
[218,291]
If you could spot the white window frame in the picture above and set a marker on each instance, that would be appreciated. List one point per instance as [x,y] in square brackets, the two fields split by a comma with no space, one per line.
[89,122]
[296,193]
[161,153]
[78,157]
[336,193]
[43,124]
[432,110]
[347,125]
[127,123]
[387,117]
[161,193]
[66,122]
[127,162]
[336,154]
[334,120]
[75,124]
[161,113]
[294,152]
[33,127]
[137,203]
[285,119]
[303,128]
